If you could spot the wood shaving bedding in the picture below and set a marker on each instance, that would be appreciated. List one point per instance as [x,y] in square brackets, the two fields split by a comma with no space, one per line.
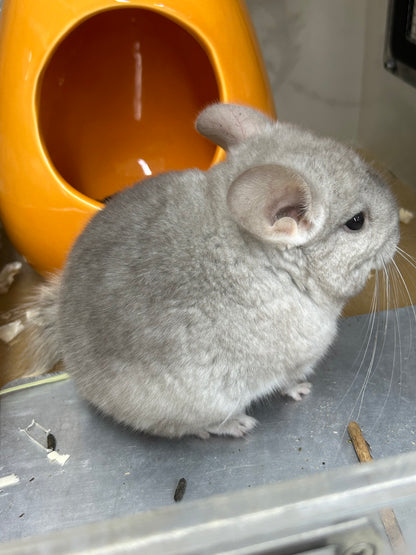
[406,216]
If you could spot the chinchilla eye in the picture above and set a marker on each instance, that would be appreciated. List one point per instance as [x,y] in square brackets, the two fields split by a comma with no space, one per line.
[356,222]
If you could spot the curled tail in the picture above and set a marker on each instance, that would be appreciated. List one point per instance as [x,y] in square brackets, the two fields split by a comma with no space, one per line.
[39,349]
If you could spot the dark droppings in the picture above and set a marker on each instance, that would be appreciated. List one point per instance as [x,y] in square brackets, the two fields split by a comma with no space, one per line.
[180,490]
[51,441]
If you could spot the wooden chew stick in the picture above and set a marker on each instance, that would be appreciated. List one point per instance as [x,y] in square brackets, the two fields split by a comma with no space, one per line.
[388,518]
[360,445]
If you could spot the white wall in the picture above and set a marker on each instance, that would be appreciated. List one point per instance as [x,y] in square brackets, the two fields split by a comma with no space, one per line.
[387,122]
[314,51]
[325,62]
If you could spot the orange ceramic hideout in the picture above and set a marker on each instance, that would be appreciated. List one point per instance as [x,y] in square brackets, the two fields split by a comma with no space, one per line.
[98,94]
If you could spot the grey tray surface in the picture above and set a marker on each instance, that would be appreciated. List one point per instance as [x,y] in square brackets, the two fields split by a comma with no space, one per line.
[368,376]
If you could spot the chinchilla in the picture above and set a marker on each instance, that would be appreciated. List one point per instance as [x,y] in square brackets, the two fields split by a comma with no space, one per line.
[194,293]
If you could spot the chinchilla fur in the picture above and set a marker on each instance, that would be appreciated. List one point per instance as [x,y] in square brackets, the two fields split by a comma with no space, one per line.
[194,293]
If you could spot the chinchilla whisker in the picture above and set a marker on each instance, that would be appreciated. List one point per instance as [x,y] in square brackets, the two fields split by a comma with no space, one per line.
[408,257]
[365,344]
[401,281]
[369,371]
[377,349]
[392,285]
[396,345]
[400,275]
[370,338]
[412,263]
[398,281]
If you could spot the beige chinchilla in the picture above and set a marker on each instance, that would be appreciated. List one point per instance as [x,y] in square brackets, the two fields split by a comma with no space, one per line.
[194,293]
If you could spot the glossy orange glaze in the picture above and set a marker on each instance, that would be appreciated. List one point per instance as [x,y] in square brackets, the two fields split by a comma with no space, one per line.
[110,116]
[97,94]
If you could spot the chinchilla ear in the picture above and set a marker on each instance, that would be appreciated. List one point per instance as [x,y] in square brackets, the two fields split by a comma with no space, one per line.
[273,203]
[229,124]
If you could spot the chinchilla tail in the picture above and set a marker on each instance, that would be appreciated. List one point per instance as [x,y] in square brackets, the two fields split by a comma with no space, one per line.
[40,346]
